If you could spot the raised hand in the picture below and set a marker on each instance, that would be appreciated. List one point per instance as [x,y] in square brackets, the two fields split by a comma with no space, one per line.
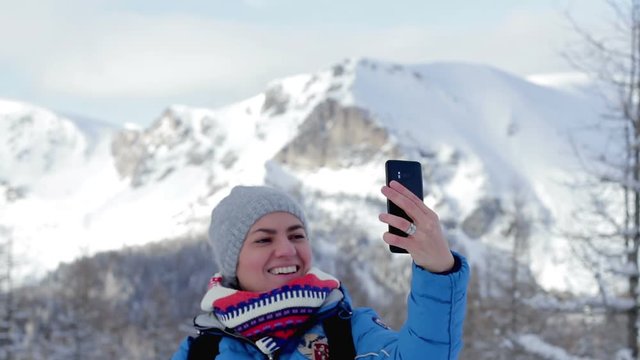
[427,246]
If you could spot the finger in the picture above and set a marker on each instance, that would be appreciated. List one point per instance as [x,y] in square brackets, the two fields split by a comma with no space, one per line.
[396,221]
[399,241]
[406,192]
[413,209]
[416,200]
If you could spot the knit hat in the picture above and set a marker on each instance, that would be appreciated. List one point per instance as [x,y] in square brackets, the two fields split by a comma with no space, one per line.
[232,218]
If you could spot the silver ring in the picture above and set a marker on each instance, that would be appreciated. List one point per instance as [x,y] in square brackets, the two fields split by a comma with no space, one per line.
[412,229]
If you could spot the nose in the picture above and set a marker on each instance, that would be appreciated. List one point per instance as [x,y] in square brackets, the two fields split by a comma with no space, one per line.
[284,247]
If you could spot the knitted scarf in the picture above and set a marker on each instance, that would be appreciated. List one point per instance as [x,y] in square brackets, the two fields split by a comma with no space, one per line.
[270,318]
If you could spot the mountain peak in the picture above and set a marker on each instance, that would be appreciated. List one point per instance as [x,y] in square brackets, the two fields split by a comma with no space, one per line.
[35,141]
[12,107]
[325,135]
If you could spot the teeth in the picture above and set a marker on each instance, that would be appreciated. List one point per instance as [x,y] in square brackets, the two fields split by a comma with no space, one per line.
[284,270]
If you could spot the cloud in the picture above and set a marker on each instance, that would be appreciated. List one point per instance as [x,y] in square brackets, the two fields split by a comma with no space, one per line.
[98,54]
[132,55]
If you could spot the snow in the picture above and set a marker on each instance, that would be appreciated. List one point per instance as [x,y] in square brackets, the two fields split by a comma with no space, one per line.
[495,131]
[535,345]
[131,126]
[360,181]
[38,144]
[569,81]
[493,134]
[149,214]
[514,132]
[12,107]
[467,185]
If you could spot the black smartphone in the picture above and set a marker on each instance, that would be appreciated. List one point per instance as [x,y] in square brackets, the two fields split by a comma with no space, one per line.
[409,174]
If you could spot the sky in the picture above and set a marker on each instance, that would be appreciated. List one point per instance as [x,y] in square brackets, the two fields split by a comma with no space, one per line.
[126,61]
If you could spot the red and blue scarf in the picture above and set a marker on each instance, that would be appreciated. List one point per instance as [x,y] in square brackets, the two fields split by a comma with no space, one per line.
[270,318]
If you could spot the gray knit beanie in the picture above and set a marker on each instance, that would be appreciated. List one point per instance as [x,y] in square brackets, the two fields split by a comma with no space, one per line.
[232,218]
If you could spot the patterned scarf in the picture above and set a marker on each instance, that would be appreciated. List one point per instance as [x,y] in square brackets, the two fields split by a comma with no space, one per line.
[270,318]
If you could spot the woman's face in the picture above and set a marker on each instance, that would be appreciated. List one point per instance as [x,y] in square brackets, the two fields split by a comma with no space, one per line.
[275,251]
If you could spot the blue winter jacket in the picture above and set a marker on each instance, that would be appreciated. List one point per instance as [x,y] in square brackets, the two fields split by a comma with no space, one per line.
[433,329]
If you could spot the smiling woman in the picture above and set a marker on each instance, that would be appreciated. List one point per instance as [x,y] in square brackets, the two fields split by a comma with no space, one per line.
[275,252]
[269,301]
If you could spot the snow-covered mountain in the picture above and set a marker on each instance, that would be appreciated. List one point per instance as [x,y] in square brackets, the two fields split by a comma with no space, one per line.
[482,135]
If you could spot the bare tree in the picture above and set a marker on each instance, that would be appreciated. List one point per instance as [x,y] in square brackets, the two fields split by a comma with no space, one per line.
[610,241]
[76,326]
[519,231]
[7,304]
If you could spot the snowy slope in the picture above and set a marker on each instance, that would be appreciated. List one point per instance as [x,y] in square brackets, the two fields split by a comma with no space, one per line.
[36,142]
[493,134]
[53,173]
[479,132]
[514,135]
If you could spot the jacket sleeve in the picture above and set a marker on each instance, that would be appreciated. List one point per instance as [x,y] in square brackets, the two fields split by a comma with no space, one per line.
[183,351]
[436,308]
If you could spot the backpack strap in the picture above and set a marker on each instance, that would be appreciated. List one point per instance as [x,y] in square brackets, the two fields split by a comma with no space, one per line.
[339,336]
[204,347]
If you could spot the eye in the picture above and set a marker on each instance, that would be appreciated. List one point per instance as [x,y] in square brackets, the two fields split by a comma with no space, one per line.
[262,241]
[297,237]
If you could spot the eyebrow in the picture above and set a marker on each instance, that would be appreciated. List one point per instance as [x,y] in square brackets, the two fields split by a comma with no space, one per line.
[272,231]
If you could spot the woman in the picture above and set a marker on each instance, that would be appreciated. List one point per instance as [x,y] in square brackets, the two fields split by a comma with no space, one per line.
[268,301]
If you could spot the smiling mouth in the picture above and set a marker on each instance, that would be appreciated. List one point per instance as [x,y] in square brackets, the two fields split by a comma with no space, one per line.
[284,270]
